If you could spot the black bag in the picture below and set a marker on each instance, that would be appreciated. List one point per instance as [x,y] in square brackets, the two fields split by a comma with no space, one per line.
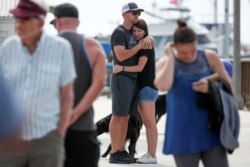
[212,103]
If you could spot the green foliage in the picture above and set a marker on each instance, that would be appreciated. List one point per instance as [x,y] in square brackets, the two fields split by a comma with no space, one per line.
[51,9]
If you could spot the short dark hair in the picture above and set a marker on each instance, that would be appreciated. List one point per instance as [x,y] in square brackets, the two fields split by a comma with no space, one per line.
[64,10]
[184,34]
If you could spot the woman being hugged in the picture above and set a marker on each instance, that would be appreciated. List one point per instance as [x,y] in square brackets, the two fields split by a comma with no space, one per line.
[188,137]
[147,91]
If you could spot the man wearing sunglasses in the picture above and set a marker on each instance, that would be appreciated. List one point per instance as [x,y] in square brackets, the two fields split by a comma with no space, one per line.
[124,84]
[40,71]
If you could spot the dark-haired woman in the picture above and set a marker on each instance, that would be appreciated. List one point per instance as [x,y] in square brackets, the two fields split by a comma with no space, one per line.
[147,91]
[188,137]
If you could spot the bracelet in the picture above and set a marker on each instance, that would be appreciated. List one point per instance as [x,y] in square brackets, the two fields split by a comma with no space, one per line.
[123,68]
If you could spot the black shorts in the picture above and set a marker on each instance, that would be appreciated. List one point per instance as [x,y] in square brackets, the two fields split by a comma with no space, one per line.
[124,91]
[82,149]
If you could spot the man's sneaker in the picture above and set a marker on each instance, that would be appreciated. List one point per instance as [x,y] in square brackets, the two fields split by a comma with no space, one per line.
[147,159]
[121,157]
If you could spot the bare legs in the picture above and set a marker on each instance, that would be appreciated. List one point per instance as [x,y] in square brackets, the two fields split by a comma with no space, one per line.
[118,129]
[147,110]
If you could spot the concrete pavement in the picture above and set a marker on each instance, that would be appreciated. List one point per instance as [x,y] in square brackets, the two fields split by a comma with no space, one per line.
[240,157]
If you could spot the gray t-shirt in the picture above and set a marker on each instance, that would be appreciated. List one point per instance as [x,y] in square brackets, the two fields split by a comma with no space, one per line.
[124,37]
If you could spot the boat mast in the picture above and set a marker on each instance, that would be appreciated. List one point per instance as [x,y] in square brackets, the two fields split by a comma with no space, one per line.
[226,31]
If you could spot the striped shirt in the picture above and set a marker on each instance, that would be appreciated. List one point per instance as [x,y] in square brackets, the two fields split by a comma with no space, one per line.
[36,80]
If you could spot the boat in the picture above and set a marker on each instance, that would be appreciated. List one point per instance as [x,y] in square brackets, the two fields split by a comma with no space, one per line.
[163,31]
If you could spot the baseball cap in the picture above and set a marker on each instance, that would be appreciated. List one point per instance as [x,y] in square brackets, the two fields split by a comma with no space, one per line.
[30,8]
[131,6]
[65,10]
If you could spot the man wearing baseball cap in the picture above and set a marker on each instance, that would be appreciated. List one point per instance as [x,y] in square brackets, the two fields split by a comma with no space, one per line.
[65,10]
[40,71]
[81,144]
[124,84]
[131,7]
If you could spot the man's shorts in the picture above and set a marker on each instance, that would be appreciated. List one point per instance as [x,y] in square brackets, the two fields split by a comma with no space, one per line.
[124,91]
[147,94]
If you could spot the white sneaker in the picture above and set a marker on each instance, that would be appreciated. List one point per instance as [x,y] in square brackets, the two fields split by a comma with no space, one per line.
[147,159]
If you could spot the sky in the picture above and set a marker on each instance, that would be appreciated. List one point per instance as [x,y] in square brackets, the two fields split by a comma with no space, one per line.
[99,17]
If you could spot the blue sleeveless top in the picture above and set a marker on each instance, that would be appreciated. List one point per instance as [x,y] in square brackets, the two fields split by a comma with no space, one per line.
[187,125]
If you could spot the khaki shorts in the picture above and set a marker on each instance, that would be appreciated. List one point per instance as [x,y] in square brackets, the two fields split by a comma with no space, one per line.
[45,152]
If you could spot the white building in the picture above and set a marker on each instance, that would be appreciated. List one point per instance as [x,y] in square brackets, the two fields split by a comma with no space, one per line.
[7,23]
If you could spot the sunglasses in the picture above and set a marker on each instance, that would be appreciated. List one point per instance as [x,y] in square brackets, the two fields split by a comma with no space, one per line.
[136,13]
